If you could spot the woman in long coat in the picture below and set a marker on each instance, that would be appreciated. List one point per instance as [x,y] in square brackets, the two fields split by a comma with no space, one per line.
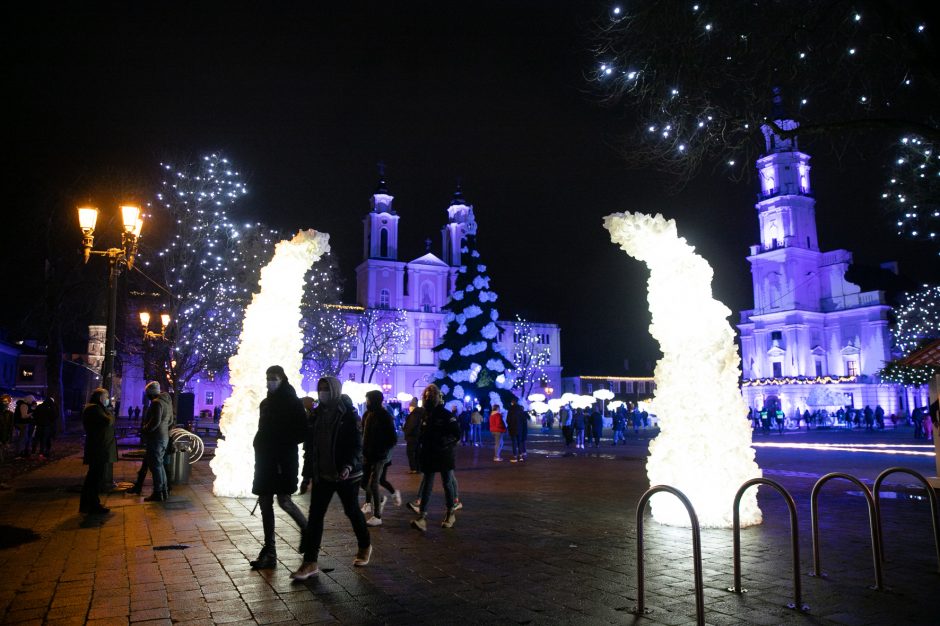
[100,449]
[282,424]
[437,454]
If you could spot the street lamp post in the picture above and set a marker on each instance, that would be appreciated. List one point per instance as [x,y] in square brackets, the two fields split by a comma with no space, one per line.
[118,259]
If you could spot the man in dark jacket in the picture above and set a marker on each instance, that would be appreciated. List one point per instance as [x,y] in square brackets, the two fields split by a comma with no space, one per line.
[282,424]
[412,431]
[516,423]
[45,417]
[100,449]
[378,441]
[155,434]
[597,426]
[333,461]
[436,454]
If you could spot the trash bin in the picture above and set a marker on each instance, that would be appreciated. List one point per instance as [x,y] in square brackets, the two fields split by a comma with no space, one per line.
[179,466]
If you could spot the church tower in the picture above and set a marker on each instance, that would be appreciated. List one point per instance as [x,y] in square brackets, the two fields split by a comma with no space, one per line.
[380,233]
[460,223]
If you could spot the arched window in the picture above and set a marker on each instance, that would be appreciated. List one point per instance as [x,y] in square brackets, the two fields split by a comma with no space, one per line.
[426,301]
[384,298]
[383,242]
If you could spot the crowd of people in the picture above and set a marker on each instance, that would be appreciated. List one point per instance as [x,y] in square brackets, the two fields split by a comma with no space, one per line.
[28,428]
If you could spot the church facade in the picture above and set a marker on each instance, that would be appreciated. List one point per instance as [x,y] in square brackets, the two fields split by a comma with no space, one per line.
[813,339]
[420,287]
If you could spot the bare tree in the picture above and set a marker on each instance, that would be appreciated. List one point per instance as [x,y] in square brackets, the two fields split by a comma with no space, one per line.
[381,336]
[529,358]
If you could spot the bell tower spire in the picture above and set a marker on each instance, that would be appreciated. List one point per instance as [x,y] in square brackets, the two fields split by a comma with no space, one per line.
[461,223]
[380,233]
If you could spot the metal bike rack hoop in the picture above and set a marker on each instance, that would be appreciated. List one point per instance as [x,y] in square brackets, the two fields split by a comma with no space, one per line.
[931,496]
[640,608]
[872,522]
[794,540]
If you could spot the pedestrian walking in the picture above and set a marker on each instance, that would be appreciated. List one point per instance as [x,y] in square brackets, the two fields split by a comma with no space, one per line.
[497,428]
[6,424]
[437,453]
[619,420]
[23,421]
[412,430]
[597,427]
[334,463]
[476,422]
[282,426]
[45,418]
[564,420]
[100,449]
[378,442]
[577,423]
[516,424]
[155,433]
[307,401]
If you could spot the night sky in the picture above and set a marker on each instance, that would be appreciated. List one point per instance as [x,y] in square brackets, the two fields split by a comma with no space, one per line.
[306,100]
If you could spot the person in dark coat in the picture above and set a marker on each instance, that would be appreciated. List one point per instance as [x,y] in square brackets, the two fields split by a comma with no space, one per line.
[597,427]
[333,461]
[412,431]
[282,424]
[378,441]
[577,424]
[155,435]
[100,449]
[45,417]
[516,422]
[436,454]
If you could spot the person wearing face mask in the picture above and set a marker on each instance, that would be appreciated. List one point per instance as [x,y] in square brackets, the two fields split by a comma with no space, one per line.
[282,424]
[378,442]
[440,433]
[155,435]
[333,461]
[100,449]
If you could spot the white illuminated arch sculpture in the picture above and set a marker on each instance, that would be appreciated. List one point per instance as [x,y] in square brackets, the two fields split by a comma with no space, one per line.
[704,446]
[270,336]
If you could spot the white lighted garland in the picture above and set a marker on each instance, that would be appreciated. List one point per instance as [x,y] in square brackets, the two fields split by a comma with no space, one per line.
[270,336]
[704,446]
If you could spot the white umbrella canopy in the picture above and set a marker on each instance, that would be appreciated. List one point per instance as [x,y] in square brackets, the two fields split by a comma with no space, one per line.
[404,396]
[536,397]
[583,402]
[555,404]
[616,404]
[538,407]
[604,394]
[568,397]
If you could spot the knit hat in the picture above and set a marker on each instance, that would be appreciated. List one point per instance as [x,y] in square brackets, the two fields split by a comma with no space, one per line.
[152,388]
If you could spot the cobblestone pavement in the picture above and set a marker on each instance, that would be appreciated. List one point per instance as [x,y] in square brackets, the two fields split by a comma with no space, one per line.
[548,541]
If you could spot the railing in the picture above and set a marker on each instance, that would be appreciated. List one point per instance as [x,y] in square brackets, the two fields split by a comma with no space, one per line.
[640,608]
[931,496]
[872,522]
[794,540]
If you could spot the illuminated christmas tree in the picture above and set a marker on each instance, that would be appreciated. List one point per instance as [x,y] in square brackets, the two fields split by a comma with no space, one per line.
[912,194]
[209,267]
[917,322]
[529,358]
[472,363]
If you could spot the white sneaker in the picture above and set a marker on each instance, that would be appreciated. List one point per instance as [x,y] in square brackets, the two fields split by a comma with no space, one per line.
[366,508]
[396,498]
[374,521]
[421,523]
[458,505]
[415,506]
[384,500]
[307,569]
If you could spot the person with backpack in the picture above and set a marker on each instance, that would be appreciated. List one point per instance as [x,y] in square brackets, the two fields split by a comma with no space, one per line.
[378,441]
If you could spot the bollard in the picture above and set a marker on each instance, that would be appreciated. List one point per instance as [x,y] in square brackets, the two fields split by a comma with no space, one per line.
[640,609]
[931,496]
[872,522]
[794,540]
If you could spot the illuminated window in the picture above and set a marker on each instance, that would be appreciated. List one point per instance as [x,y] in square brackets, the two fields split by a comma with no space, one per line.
[210,398]
[851,367]
[426,338]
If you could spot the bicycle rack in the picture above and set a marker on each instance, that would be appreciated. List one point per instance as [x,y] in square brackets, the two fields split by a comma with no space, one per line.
[640,609]
[794,540]
[931,496]
[872,522]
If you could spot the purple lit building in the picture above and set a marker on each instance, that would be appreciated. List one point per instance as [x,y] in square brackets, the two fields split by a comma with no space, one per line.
[813,340]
